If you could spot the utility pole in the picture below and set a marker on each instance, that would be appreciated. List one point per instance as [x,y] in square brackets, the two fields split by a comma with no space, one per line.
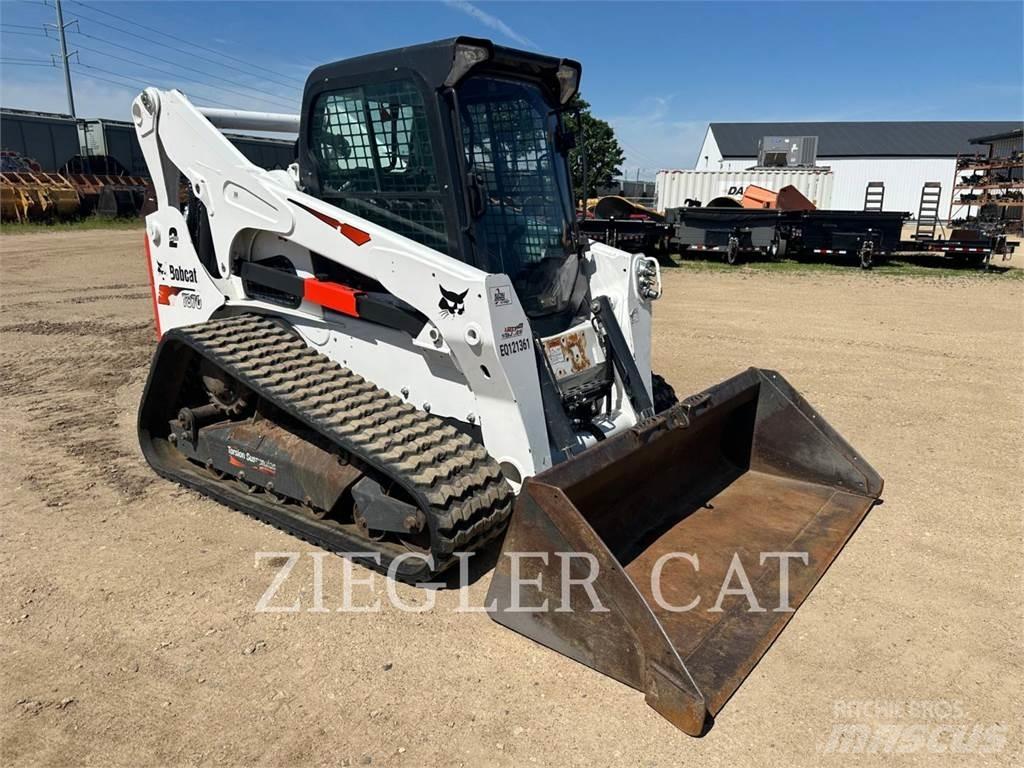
[64,55]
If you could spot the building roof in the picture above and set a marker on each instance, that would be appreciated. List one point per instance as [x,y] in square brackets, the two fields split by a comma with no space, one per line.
[868,139]
[1017,134]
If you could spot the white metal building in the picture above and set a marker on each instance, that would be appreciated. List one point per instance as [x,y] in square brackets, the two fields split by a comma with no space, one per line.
[903,155]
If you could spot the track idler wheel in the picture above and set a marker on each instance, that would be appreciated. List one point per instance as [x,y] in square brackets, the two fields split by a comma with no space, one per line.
[223,390]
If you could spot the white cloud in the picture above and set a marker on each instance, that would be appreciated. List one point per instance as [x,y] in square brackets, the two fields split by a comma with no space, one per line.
[652,140]
[490,21]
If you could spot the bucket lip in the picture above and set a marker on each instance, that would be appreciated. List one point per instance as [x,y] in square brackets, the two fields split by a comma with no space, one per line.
[575,529]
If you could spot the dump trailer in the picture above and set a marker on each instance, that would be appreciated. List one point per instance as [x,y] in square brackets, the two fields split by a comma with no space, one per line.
[623,224]
[866,236]
[400,349]
[732,232]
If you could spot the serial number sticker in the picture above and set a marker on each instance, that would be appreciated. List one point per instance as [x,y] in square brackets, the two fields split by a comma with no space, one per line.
[513,347]
[568,354]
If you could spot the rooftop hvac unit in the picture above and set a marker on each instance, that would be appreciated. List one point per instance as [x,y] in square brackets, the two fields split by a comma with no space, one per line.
[787,152]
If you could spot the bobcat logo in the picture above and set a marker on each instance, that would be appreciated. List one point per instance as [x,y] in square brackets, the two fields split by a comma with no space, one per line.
[160,269]
[452,303]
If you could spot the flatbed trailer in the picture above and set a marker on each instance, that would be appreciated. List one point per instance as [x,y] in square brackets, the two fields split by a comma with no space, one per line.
[967,246]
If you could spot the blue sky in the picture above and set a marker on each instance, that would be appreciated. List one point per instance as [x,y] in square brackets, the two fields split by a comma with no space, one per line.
[659,72]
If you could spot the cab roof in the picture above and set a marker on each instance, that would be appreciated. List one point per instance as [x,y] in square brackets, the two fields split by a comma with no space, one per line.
[433,63]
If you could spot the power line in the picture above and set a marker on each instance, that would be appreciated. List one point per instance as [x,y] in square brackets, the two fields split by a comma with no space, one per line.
[5,31]
[276,102]
[633,151]
[49,64]
[79,66]
[280,100]
[251,92]
[190,43]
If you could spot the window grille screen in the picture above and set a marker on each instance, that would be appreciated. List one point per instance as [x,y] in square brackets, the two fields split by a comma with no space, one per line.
[507,135]
[373,149]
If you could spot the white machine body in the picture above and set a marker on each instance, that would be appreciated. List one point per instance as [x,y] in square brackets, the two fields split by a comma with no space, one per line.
[472,362]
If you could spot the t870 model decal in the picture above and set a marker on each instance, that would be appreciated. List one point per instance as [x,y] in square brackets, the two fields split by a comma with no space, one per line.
[175,296]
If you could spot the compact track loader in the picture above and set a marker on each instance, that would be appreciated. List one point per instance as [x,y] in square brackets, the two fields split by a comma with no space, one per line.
[401,348]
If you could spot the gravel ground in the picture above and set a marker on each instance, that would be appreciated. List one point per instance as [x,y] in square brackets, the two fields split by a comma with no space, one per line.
[128,629]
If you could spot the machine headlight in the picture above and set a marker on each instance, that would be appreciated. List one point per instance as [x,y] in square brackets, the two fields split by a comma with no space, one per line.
[648,278]
[466,57]
[568,81]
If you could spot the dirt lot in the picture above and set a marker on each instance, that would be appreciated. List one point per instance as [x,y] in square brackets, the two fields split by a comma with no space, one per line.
[128,630]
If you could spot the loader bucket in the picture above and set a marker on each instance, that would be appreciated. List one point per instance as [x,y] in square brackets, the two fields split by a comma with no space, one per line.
[744,468]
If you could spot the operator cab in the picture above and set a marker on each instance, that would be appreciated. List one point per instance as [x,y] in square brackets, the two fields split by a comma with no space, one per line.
[459,145]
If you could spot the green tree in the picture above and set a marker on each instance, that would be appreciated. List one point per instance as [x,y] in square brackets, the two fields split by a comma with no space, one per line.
[597,138]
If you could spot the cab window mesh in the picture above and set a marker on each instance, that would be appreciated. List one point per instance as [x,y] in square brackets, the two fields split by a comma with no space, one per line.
[506,131]
[372,146]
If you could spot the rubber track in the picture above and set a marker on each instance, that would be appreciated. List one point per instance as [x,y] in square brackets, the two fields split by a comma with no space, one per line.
[459,486]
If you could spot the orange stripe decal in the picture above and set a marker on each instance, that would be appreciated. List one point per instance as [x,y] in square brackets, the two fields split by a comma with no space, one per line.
[354,234]
[152,287]
[357,236]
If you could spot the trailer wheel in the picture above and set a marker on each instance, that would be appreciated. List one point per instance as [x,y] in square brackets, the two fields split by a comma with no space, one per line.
[866,253]
[732,251]
[777,248]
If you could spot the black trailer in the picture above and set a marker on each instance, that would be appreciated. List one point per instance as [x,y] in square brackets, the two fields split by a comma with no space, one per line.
[732,232]
[864,235]
[968,246]
[633,235]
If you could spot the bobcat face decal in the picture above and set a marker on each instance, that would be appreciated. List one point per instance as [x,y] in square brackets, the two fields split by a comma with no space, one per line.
[452,303]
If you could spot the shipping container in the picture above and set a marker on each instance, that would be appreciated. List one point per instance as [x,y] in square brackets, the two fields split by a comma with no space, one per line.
[48,138]
[674,188]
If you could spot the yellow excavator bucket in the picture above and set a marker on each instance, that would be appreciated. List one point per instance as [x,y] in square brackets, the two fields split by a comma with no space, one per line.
[671,556]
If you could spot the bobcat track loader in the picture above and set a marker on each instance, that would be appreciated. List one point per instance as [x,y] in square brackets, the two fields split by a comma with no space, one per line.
[401,348]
